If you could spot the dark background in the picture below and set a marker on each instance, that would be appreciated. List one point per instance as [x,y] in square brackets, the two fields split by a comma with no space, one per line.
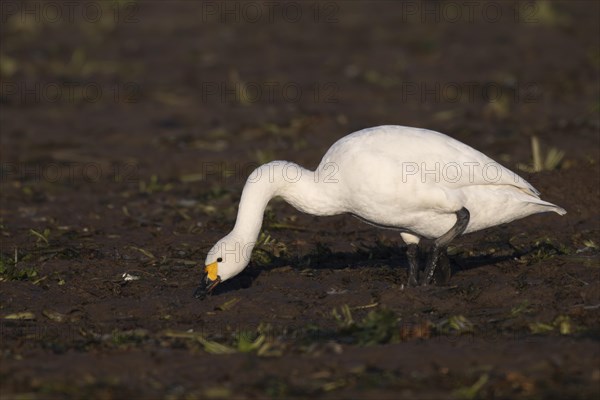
[129,127]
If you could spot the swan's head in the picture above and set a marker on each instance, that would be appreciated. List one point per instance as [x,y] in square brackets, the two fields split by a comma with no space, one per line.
[227,258]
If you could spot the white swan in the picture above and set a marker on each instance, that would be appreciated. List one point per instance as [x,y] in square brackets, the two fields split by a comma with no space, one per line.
[420,182]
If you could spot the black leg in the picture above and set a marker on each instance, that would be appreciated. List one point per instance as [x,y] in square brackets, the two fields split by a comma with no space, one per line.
[432,261]
[440,244]
[412,252]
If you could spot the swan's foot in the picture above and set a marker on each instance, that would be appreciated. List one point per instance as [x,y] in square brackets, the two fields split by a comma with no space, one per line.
[441,243]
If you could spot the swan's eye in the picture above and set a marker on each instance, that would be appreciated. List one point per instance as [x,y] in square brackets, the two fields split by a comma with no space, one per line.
[220,259]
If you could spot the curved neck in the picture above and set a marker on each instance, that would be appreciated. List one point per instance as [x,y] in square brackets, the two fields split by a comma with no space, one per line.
[295,184]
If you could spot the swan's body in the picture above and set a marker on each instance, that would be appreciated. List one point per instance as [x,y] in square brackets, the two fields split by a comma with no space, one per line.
[410,179]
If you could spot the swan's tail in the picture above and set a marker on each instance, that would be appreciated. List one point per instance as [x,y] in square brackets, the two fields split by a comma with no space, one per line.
[491,206]
[534,198]
[549,207]
[558,210]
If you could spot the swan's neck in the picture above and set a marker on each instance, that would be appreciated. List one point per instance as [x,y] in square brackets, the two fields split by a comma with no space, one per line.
[295,184]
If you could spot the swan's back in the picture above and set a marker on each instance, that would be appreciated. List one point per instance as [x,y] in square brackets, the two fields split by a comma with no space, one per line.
[406,148]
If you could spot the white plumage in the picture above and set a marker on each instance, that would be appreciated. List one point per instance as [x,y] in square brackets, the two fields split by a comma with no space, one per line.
[414,180]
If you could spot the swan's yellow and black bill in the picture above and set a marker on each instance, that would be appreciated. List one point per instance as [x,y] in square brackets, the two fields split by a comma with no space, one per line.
[209,280]
[212,271]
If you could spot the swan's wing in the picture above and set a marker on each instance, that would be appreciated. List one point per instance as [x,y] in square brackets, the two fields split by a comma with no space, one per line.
[419,156]
[479,168]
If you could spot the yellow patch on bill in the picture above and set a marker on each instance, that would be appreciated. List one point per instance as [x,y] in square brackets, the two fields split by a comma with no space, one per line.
[212,271]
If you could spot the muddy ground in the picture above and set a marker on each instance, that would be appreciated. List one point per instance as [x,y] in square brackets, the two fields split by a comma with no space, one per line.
[127,135]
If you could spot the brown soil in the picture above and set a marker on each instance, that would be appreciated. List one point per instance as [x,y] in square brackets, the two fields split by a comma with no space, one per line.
[145,178]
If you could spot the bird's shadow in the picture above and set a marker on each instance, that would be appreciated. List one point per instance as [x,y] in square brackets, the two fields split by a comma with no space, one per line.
[382,256]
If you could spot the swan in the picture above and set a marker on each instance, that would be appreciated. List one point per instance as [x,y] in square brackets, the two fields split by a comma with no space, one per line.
[419,182]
